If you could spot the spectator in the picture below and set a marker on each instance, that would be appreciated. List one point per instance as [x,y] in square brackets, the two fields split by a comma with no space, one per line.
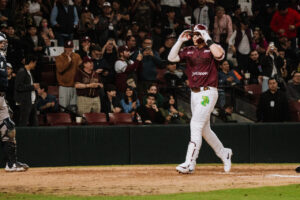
[272,105]
[271,65]
[87,86]
[172,113]
[265,17]
[126,68]
[177,5]
[157,36]
[110,101]
[283,69]
[168,44]
[106,24]
[222,28]
[149,113]
[254,69]
[171,24]
[34,43]
[96,7]
[151,61]
[122,39]
[86,24]
[64,19]
[131,44]
[46,7]
[240,43]
[203,14]
[135,27]
[122,16]
[227,76]
[130,101]
[25,95]
[109,52]
[45,29]
[84,49]
[283,42]
[259,42]
[35,10]
[173,76]
[229,5]
[286,20]
[142,34]
[143,11]
[236,15]
[153,89]
[293,88]
[22,19]
[46,103]
[80,6]
[15,52]
[226,113]
[66,66]
[100,65]
[11,76]
[5,13]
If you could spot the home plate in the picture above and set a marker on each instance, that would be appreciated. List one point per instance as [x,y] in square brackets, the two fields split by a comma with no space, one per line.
[283,176]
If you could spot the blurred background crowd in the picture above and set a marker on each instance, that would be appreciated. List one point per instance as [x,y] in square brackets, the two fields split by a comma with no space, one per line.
[97,56]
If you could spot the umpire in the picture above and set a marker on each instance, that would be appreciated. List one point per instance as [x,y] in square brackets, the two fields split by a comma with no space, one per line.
[7,126]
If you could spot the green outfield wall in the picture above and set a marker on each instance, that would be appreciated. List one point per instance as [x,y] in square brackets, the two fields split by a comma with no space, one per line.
[117,145]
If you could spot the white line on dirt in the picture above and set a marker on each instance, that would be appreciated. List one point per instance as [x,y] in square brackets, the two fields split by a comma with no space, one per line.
[283,176]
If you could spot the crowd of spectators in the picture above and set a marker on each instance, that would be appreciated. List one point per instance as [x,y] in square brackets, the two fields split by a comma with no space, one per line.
[123,45]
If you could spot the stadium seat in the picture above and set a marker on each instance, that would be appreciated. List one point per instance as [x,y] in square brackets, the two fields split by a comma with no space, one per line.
[120,118]
[96,118]
[49,77]
[49,67]
[294,110]
[42,120]
[59,119]
[53,90]
[254,90]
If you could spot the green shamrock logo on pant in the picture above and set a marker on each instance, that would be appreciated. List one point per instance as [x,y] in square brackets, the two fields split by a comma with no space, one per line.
[205,100]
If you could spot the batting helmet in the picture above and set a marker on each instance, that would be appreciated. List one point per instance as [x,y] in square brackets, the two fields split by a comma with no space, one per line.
[200,27]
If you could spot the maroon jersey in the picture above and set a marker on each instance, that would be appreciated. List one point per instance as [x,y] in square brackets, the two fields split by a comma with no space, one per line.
[201,67]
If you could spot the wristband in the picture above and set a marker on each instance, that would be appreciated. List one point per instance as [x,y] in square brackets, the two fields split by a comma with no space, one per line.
[209,43]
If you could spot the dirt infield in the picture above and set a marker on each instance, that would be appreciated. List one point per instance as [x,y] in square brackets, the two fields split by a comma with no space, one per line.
[143,180]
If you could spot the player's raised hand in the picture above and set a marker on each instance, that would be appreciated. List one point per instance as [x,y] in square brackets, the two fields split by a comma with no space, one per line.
[185,36]
[204,35]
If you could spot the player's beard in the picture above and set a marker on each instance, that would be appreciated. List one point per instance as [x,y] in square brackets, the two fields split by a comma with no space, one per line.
[199,41]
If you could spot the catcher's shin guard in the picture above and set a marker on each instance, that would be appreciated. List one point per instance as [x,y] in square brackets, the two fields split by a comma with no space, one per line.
[10,152]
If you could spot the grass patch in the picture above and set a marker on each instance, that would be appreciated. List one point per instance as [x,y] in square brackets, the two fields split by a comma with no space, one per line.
[290,192]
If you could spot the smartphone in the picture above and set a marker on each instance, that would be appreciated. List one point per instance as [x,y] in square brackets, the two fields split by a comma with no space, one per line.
[272,45]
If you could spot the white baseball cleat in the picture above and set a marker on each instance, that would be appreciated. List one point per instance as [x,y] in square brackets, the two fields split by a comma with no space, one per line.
[15,168]
[227,159]
[186,168]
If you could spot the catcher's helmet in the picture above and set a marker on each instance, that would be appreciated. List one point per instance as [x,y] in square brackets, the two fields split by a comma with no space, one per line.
[3,39]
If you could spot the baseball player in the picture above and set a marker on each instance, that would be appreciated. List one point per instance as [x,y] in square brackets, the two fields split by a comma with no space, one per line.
[7,126]
[201,69]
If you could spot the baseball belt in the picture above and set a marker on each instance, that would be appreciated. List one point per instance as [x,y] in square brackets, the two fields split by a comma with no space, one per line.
[199,89]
